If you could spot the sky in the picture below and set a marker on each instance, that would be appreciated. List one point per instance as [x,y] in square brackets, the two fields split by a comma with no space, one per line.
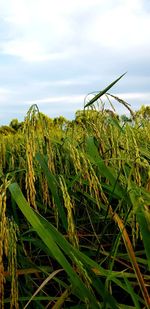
[53,53]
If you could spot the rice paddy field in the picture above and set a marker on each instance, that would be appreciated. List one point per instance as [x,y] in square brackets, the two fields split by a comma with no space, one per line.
[74,211]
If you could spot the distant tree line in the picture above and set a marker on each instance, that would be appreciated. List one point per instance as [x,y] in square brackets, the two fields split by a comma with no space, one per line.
[81,117]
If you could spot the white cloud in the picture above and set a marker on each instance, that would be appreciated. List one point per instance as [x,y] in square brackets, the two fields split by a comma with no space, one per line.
[5,94]
[124,27]
[39,28]
[31,51]
[45,30]
[134,96]
[80,80]
[58,99]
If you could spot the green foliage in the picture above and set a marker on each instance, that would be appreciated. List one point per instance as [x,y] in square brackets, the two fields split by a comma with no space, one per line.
[144,112]
[61,122]
[102,92]
[5,130]
[125,119]
[15,124]
[79,196]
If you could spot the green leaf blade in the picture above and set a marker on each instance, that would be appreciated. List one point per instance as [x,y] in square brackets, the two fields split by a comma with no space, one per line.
[102,92]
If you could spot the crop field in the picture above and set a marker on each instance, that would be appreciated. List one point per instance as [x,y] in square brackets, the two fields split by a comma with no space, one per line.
[74,211]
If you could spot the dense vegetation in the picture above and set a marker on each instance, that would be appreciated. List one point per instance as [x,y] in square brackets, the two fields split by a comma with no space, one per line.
[74,211]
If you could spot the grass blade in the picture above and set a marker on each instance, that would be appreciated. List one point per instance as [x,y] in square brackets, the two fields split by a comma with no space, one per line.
[52,184]
[105,171]
[83,292]
[132,256]
[103,91]
[143,218]
[132,293]
[54,273]
[139,201]
[76,255]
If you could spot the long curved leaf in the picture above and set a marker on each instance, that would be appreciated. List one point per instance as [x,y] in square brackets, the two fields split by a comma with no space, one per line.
[79,288]
[97,96]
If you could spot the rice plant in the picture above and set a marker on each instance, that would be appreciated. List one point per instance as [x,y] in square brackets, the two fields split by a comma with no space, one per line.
[74,210]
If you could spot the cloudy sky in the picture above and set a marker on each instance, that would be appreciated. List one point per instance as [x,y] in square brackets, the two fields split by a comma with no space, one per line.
[53,53]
